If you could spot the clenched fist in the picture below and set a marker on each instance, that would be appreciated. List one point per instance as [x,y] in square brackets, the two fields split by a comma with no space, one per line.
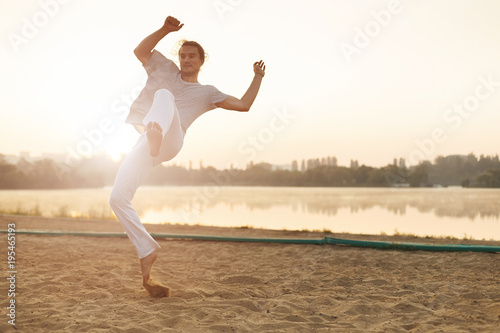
[172,24]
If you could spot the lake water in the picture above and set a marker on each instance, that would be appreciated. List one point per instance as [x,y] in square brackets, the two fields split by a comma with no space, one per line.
[455,212]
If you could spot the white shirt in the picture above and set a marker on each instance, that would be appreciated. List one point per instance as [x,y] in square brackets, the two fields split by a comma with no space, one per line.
[191,99]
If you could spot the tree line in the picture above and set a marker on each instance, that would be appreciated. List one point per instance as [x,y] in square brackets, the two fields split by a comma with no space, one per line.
[99,171]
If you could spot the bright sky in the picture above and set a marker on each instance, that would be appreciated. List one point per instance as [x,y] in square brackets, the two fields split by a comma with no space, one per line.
[365,80]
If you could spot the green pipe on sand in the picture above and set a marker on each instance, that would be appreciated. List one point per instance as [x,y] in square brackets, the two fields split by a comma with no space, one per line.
[414,246]
[326,240]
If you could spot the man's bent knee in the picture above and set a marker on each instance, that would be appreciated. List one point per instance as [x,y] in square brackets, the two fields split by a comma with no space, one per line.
[164,93]
[116,199]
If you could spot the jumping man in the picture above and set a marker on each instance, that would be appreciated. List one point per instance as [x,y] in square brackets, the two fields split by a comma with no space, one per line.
[169,103]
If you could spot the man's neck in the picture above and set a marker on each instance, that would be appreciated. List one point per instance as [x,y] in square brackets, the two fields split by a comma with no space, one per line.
[190,78]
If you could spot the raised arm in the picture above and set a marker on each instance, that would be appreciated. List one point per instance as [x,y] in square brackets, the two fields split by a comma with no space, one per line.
[143,51]
[245,102]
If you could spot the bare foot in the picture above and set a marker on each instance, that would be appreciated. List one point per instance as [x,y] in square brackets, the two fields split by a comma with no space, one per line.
[154,138]
[146,264]
[154,289]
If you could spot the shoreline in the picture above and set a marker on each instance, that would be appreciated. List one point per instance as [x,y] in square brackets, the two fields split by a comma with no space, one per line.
[96,225]
[31,222]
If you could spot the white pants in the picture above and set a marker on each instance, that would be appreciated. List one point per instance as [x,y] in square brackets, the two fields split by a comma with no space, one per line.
[135,167]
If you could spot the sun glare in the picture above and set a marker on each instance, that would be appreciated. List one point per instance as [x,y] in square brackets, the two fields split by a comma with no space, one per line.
[115,151]
[116,157]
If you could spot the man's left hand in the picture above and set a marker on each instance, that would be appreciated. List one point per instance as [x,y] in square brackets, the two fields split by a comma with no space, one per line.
[259,68]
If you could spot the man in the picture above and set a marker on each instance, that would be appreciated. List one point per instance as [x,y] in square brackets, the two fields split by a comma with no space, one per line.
[169,103]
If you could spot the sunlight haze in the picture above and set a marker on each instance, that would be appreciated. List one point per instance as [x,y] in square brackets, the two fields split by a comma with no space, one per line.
[369,81]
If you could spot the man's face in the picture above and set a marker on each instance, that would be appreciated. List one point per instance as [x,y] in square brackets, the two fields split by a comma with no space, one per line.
[189,59]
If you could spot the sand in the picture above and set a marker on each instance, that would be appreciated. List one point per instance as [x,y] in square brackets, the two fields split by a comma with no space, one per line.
[91,284]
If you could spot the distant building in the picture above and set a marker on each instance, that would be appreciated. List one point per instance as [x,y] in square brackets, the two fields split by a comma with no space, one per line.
[264,165]
[332,161]
[354,164]
[282,167]
[312,163]
[402,163]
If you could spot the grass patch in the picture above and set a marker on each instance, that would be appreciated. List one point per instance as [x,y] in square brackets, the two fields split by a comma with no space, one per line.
[103,213]
[20,210]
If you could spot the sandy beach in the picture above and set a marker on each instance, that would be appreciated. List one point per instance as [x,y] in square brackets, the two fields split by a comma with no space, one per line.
[93,284]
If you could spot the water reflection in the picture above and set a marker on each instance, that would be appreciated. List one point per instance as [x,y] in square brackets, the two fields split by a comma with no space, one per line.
[449,202]
[442,212]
